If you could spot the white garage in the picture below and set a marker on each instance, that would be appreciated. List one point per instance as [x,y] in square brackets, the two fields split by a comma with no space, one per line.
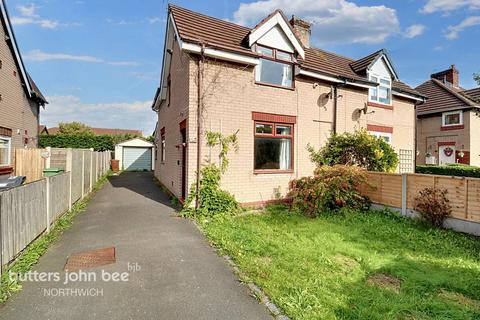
[135,155]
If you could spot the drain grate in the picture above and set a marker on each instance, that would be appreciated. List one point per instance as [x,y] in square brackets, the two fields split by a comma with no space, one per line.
[90,259]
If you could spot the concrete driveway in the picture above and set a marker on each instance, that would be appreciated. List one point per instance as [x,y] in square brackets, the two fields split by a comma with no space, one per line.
[171,271]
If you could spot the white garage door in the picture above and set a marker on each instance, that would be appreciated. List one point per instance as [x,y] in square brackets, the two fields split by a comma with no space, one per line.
[137,158]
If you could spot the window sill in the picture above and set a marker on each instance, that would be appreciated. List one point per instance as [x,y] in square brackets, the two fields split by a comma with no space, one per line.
[274,86]
[380,105]
[6,170]
[454,127]
[272,171]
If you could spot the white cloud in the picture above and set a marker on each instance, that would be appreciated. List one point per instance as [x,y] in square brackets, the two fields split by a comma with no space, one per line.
[28,16]
[38,55]
[333,21]
[156,20]
[125,115]
[414,30]
[453,31]
[449,5]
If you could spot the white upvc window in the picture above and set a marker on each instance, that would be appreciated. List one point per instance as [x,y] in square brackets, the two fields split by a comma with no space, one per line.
[387,137]
[5,150]
[383,92]
[453,118]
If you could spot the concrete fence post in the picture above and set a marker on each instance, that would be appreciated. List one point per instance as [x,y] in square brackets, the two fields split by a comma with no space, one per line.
[91,169]
[83,173]
[47,160]
[1,240]
[47,195]
[68,168]
[404,193]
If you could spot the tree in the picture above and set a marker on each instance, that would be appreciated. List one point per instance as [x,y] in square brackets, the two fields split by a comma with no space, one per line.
[359,148]
[476,77]
[74,128]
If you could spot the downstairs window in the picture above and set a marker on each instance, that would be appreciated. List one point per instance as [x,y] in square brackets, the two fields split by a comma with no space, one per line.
[5,147]
[273,146]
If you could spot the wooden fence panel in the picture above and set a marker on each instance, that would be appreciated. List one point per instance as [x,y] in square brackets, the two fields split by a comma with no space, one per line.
[76,174]
[59,195]
[22,217]
[58,158]
[386,188]
[416,183]
[29,163]
[86,169]
[473,200]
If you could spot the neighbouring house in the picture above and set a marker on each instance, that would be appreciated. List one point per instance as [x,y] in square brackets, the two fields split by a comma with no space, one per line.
[278,91]
[42,129]
[105,131]
[20,98]
[448,121]
[135,155]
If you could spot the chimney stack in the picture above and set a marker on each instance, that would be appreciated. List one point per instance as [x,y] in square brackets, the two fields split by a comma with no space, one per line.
[302,30]
[450,76]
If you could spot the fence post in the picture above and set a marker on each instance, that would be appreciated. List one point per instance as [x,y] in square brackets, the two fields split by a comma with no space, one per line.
[83,173]
[47,194]
[404,194]
[47,160]
[91,168]
[68,168]
[1,239]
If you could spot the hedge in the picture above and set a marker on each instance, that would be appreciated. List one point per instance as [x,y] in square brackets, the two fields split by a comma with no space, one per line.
[450,170]
[84,141]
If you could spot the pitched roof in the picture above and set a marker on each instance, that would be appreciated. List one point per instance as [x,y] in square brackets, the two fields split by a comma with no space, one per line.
[32,90]
[441,98]
[472,94]
[363,63]
[198,28]
[104,131]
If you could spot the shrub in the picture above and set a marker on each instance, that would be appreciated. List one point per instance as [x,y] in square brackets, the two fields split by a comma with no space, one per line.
[433,205]
[212,199]
[330,188]
[83,141]
[359,148]
[460,170]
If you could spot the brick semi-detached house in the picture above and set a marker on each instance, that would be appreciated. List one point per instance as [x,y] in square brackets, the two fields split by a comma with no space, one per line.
[20,99]
[278,92]
[448,123]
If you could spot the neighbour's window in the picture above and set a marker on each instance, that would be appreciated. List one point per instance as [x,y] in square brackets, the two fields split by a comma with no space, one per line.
[452,118]
[382,93]
[162,148]
[275,67]
[387,137]
[273,146]
[5,146]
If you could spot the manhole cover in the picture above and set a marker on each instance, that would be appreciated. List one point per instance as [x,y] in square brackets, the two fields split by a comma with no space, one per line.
[90,259]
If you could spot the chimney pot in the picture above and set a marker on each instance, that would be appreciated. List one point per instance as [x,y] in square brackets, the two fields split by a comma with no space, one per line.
[450,76]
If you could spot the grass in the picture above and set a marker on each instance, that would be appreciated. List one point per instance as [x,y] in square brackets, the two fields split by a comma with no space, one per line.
[373,265]
[32,253]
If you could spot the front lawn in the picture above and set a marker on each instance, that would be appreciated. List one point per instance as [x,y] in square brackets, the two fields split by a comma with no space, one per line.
[354,266]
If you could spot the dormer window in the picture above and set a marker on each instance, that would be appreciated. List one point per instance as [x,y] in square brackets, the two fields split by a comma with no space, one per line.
[275,67]
[383,93]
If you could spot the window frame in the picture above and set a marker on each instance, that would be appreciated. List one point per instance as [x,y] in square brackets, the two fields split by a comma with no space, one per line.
[9,151]
[379,134]
[274,58]
[163,157]
[377,89]
[445,114]
[274,135]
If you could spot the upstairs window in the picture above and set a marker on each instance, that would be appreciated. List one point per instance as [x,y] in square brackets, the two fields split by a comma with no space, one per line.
[454,118]
[385,136]
[5,148]
[383,93]
[162,148]
[275,67]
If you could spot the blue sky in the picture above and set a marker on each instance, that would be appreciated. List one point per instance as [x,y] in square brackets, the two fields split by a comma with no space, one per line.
[98,61]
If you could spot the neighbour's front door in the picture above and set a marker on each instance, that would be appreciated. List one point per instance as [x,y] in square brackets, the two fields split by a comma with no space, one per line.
[446,155]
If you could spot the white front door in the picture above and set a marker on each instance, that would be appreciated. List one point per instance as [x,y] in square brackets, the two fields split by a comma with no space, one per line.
[446,155]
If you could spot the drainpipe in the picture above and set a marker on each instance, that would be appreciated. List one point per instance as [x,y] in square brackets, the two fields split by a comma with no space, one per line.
[201,61]
[335,107]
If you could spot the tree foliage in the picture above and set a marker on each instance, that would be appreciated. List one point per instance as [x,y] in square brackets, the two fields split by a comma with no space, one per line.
[359,148]
[74,128]
[476,77]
